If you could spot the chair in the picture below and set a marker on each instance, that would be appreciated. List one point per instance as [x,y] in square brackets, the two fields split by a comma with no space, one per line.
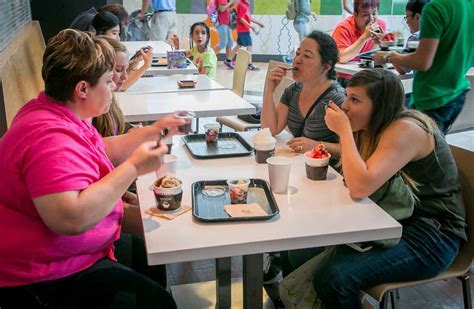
[460,268]
[238,124]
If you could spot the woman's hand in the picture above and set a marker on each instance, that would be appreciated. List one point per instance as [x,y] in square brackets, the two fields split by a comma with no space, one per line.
[301,144]
[147,57]
[275,76]
[148,157]
[170,123]
[336,119]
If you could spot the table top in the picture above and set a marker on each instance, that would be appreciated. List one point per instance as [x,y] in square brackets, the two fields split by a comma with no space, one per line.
[352,68]
[163,70]
[169,84]
[316,213]
[159,47]
[206,103]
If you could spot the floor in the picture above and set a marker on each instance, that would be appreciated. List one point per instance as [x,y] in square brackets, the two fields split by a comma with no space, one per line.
[443,294]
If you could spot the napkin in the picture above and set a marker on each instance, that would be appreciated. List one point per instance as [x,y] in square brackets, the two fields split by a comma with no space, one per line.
[245,210]
[170,215]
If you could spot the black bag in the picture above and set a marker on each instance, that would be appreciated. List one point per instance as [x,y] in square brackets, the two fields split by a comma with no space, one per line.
[252,118]
[233,19]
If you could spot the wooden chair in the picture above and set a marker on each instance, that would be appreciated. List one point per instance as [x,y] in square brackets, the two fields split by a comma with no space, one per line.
[460,268]
[20,72]
[238,124]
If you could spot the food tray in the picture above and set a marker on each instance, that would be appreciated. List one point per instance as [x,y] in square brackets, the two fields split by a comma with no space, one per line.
[229,144]
[211,209]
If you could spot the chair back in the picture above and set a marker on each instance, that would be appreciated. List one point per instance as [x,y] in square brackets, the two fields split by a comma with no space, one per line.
[464,161]
[240,71]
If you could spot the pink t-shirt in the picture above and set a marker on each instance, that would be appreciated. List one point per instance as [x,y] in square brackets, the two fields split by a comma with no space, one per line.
[48,150]
[223,17]
[346,33]
[243,11]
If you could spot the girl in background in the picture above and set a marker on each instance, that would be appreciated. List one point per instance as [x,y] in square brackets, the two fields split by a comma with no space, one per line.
[106,23]
[202,55]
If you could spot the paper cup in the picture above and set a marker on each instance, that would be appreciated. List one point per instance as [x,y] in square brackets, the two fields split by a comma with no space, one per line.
[168,199]
[316,169]
[279,173]
[263,151]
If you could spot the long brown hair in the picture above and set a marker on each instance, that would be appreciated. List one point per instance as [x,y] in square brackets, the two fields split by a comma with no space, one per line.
[387,95]
[112,122]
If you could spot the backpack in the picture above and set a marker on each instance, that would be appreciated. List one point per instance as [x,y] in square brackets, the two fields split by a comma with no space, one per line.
[211,10]
[292,9]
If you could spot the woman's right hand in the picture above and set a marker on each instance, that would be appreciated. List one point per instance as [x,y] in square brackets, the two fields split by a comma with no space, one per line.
[169,124]
[175,41]
[148,157]
[275,76]
[147,57]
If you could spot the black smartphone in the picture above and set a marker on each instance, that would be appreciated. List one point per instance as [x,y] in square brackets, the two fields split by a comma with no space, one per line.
[138,53]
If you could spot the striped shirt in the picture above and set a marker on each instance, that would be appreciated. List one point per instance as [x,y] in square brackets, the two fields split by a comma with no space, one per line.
[315,127]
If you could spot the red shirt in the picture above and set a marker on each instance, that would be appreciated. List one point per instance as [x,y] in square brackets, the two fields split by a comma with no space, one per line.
[346,33]
[223,17]
[243,11]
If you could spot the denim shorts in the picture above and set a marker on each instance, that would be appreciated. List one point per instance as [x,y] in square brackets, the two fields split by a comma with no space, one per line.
[244,39]
[225,36]
[445,115]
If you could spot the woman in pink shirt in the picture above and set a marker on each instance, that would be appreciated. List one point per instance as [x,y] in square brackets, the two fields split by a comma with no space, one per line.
[61,188]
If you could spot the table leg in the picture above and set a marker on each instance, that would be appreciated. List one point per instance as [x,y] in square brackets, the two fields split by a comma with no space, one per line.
[253,281]
[223,282]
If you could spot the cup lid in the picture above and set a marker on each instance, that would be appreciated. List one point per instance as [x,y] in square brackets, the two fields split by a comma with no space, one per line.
[184,114]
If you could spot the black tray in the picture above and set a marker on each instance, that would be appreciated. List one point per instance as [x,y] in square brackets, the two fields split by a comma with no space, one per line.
[211,209]
[200,149]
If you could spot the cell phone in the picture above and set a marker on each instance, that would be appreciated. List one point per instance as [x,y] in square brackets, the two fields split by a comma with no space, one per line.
[138,53]
[186,83]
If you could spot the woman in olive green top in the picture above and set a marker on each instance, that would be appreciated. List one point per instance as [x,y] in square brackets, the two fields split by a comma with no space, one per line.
[379,138]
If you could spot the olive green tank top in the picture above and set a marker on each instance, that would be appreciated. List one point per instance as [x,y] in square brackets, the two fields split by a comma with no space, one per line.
[439,190]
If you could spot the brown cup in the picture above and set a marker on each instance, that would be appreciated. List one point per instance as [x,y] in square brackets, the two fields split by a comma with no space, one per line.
[168,199]
[263,151]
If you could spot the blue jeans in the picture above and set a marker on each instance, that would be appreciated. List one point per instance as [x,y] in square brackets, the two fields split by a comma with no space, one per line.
[445,115]
[423,252]
[225,36]
[303,29]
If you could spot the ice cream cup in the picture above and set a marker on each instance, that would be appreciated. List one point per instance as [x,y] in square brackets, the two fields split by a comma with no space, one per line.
[238,190]
[211,131]
[264,150]
[186,116]
[167,199]
[316,169]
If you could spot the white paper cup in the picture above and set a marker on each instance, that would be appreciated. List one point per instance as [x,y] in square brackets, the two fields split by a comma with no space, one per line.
[279,173]
[169,166]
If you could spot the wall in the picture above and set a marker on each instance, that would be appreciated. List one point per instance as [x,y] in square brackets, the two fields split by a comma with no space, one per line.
[14,14]
[279,36]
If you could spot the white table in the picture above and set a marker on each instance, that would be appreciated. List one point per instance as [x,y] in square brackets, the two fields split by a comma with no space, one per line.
[352,68]
[159,47]
[169,84]
[207,103]
[319,213]
[163,70]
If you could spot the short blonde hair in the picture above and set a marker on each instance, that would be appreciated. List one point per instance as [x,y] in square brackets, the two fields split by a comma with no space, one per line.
[72,56]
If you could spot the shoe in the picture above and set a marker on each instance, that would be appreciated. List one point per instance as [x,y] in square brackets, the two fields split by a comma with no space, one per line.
[251,67]
[272,269]
[229,64]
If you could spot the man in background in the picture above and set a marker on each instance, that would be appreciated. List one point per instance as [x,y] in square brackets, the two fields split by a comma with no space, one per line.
[164,20]
[443,57]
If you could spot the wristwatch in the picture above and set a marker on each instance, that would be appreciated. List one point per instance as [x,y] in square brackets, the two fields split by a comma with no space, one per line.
[387,57]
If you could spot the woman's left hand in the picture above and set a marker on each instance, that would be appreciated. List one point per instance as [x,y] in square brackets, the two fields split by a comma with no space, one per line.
[170,123]
[301,144]
[336,119]
[147,57]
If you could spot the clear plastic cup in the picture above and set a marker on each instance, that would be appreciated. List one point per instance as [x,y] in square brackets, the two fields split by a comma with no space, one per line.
[211,130]
[238,190]
[186,116]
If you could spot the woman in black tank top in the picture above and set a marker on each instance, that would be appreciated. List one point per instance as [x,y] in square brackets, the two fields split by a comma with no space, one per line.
[378,139]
